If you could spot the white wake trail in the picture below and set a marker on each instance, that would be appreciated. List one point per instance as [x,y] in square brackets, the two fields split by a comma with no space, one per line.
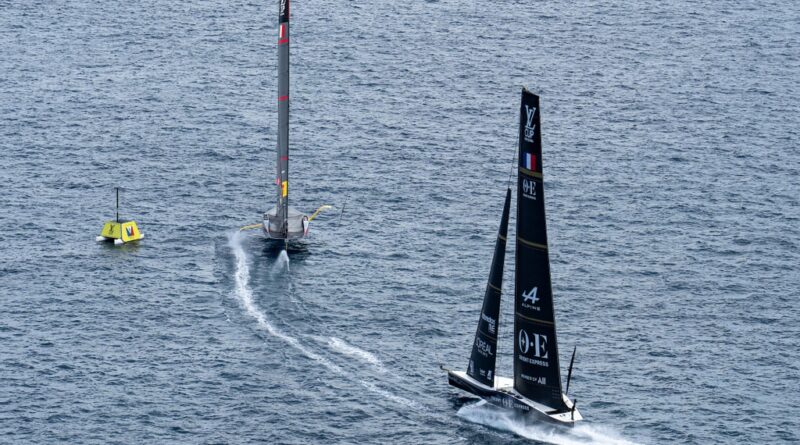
[245,297]
[341,346]
[504,420]
[244,294]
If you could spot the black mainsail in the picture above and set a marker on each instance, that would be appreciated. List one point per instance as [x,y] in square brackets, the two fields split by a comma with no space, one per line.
[536,366]
[484,349]
[283,117]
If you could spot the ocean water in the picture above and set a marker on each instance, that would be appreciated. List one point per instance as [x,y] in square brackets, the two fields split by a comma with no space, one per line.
[671,159]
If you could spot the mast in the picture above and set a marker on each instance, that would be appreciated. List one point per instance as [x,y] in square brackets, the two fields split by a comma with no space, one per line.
[536,368]
[484,349]
[283,116]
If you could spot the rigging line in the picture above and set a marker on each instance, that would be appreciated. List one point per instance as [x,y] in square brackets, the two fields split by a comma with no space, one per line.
[513,164]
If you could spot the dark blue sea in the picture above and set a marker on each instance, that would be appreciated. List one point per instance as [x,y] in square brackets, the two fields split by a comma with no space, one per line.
[672,176]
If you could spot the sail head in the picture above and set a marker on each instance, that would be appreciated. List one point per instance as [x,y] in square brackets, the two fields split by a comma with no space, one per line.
[484,349]
[536,366]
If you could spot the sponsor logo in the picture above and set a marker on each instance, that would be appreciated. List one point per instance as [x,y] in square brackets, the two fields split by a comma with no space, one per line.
[129,230]
[529,188]
[539,380]
[484,348]
[491,322]
[538,345]
[489,374]
[530,127]
[283,7]
[530,296]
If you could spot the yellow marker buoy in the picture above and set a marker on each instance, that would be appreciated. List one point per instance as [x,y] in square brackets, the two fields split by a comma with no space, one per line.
[120,231]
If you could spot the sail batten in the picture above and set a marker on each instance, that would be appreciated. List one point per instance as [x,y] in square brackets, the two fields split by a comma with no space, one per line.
[484,349]
[536,366]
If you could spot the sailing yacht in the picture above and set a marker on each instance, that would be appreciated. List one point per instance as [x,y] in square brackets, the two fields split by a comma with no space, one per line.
[536,385]
[283,222]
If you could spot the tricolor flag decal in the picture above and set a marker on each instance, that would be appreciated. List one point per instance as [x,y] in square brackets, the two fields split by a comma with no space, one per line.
[129,229]
[529,161]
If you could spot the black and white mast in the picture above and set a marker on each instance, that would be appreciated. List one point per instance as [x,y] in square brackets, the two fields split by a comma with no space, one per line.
[536,366]
[283,118]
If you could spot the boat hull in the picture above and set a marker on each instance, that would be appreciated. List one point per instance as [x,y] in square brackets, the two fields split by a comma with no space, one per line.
[295,227]
[504,396]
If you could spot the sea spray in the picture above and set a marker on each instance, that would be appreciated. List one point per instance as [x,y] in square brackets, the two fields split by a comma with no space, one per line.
[506,420]
[281,264]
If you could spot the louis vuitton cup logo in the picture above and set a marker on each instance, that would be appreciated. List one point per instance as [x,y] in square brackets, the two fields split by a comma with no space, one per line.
[283,11]
[530,127]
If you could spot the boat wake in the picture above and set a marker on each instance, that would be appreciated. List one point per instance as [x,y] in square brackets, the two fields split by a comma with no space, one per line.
[244,295]
[488,415]
[342,347]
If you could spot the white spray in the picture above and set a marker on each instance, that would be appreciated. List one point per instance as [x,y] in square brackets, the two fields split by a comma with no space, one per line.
[505,420]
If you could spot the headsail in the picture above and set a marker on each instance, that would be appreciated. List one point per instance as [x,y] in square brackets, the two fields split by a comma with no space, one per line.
[536,368]
[282,179]
[484,348]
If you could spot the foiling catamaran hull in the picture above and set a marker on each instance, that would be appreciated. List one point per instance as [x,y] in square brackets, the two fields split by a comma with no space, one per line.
[504,396]
[296,225]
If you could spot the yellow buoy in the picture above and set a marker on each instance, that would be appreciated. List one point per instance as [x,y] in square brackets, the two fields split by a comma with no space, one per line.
[120,231]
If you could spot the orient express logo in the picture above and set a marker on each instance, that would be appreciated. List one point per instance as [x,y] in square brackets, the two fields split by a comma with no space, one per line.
[529,188]
[530,127]
[538,344]
[491,322]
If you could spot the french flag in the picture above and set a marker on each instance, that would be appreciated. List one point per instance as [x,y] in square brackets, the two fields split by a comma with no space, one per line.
[530,161]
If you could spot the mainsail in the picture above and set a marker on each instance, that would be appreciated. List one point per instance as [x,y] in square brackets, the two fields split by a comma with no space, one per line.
[282,179]
[484,348]
[536,367]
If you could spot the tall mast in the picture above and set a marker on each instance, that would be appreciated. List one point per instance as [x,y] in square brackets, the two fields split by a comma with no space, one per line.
[283,115]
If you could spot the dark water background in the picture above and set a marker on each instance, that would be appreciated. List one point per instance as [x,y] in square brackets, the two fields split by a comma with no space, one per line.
[672,176]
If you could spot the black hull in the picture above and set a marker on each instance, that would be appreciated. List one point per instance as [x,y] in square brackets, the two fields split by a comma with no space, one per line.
[509,400]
